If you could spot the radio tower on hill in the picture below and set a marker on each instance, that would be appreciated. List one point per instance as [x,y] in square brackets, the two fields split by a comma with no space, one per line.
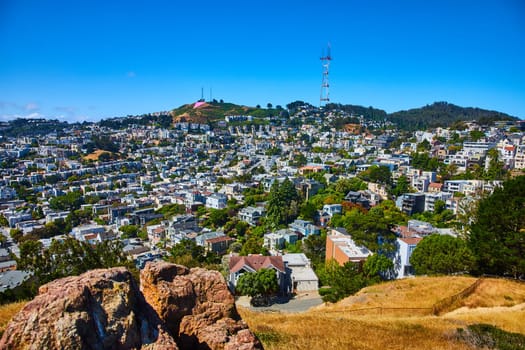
[325,85]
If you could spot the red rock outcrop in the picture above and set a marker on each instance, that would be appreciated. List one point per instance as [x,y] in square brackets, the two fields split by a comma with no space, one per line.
[104,309]
[197,306]
[100,309]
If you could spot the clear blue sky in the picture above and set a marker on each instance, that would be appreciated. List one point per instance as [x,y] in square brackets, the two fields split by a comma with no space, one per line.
[93,59]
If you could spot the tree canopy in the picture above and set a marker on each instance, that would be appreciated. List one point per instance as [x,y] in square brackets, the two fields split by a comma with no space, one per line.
[283,203]
[497,235]
[260,284]
[441,254]
[68,257]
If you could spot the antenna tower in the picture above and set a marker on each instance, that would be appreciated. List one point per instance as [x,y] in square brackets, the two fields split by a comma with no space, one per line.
[325,85]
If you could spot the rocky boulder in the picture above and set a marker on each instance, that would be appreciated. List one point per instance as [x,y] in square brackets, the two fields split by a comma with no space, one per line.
[100,309]
[178,308]
[196,306]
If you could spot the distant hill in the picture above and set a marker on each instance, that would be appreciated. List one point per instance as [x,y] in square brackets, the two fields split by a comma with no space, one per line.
[204,112]
[437,114]
[443,114]
[31,127]
[369,113]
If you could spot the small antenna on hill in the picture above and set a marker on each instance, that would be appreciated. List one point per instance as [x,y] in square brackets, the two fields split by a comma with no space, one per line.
[202,94]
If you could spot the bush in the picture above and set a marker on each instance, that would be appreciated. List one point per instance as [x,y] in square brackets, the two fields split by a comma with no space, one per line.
[487,336]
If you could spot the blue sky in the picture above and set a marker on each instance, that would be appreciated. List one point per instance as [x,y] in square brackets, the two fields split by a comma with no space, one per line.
[87,60]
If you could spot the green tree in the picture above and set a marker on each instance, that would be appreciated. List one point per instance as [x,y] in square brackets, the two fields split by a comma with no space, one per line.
[187,253]
[129,231]
[258,285]
[282,206]
[380,174]
[308,211]
[441,254]
[476,135]
[70,201]
[439,206]
[497,233]
[3,221]
[423,146]
[299,160]
[16,234]
[217,218]
[374,229]
[402,186]
[344,185]
[69,257]
[342,280]
[33,258]
[496,169]
[253,245]
[379,267]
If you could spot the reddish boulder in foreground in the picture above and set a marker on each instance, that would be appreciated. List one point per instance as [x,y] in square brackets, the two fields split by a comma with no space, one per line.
[197,306]
[104,309]
[100,309]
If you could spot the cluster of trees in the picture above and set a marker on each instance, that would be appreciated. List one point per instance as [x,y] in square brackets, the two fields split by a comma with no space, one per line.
[372,228]
[494,244]
[495,171]
[189,254]
[342,281]
[162,120]
[55,228]
[442,114]
[70,201]
[378,174]
[63,258]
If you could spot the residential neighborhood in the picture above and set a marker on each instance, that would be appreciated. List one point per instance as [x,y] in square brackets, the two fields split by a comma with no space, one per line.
[287,192]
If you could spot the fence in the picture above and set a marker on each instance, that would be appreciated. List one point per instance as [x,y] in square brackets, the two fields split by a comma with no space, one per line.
[451,302]
[384,311]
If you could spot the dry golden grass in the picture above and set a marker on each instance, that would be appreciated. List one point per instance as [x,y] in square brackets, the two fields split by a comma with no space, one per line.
[421,292]
[96,154]
[7,311]
[318,330]
[507,318]
[335,327]
[496,292]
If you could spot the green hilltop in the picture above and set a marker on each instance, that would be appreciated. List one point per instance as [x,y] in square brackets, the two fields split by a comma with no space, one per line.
[203,112]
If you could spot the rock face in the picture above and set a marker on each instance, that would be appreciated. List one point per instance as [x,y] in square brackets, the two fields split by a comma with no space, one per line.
[104,309]
[197,306]
[101,309]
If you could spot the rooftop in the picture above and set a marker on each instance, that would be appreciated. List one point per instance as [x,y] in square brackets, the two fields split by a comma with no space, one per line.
[256,262]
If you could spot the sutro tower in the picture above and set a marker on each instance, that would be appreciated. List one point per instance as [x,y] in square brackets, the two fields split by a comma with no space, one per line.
[325,85]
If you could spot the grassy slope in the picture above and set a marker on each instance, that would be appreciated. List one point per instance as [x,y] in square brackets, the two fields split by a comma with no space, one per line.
[7,311]
[497,302]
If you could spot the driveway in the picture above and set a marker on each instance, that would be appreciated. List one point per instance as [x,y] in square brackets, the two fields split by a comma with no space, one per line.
[299,303]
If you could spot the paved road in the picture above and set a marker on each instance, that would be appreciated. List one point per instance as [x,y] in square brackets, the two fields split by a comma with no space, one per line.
[299,303]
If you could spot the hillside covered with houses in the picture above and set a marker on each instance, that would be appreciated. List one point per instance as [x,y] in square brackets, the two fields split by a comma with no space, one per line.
[312,193]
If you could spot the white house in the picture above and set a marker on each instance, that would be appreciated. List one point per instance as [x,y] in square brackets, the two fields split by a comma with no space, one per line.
[332,209]
[80,231]
[402,259]
[217,201]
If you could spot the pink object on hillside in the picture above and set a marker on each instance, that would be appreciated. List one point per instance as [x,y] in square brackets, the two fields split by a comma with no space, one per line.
[198,104]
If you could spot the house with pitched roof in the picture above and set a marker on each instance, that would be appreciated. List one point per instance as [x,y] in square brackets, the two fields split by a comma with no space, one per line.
[239,265]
